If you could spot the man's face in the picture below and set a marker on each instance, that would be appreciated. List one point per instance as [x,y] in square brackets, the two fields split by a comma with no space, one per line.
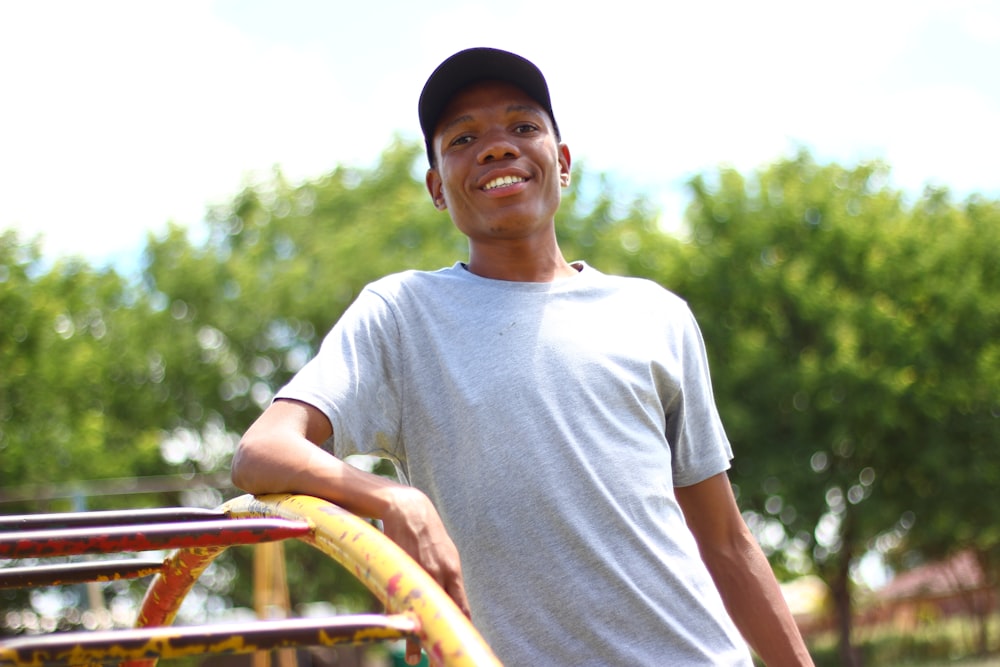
[499,167]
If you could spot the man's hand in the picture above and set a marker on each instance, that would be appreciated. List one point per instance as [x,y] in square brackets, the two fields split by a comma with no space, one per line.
[412,522]
[280,453]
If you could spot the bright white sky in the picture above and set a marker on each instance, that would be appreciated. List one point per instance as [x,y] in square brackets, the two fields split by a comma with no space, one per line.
[118,116]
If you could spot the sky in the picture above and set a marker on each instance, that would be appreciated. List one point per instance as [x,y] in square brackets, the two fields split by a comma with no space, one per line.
[117,117]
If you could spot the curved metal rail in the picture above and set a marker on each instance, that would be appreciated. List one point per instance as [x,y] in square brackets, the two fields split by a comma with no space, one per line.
[388,572]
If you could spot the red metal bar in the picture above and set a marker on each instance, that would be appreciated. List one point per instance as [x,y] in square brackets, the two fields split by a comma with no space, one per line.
[78,648]
[106,518]
[77,573]
[74,541]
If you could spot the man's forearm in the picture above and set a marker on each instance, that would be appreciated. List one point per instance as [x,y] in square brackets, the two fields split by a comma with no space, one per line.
[755,602]
[279,454]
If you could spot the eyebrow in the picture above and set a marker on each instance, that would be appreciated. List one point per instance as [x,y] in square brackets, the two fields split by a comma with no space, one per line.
[513,108]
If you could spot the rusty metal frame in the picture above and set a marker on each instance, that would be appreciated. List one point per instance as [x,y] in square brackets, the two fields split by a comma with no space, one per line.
[142,644]
[445,632]
[146,537]
[417,606]
[77,573]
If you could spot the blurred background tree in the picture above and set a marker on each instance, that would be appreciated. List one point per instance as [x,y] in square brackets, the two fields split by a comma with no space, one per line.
[80,384]
[855,347]
[853,337]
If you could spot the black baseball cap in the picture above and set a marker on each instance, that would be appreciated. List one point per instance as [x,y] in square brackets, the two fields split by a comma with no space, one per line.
[472,65]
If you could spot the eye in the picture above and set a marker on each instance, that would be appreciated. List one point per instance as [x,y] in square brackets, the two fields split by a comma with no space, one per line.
[525,128]
[461,140]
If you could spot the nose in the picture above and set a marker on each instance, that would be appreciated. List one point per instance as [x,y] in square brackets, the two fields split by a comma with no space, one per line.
[497,145]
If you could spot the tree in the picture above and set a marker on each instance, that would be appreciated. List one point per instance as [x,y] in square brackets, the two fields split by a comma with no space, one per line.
[78,398]
[81,395]
[281,264]
[960,366]
[831,311]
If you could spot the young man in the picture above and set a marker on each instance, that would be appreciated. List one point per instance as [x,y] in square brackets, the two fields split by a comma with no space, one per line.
[553,425]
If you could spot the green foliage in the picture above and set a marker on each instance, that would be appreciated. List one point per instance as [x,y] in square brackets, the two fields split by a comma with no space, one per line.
[854,346]
[79,398]
[281,264]
[611,232]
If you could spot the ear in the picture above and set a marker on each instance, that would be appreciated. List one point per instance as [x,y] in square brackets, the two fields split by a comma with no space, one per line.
[436,189]
[564,165]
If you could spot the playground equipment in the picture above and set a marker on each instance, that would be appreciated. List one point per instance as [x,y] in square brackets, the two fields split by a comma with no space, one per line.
[416,606]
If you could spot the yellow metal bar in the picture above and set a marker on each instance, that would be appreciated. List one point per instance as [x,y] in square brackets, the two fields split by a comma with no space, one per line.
[445,632]
[167,590]
[79,648]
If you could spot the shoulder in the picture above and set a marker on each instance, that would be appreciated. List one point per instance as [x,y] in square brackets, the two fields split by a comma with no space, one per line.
[394,286]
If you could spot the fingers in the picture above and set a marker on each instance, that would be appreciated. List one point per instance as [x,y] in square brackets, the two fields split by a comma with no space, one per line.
[413,523]
[447,573]
[455,588]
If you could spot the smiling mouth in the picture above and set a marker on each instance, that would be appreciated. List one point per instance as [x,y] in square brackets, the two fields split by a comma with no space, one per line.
[503,181]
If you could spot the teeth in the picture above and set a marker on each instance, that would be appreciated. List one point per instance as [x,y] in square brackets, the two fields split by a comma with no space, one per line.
[502,181]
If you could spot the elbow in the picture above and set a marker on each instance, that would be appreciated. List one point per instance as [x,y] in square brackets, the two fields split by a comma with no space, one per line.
[274,454]
[246,464]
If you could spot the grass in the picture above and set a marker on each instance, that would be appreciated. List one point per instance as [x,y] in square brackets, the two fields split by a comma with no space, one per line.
[993,661]
[933,642]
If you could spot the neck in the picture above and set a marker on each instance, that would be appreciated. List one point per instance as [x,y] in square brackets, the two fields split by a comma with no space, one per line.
[519,264]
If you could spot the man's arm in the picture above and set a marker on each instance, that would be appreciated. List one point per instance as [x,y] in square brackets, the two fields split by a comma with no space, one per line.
[280,453]
[741,572]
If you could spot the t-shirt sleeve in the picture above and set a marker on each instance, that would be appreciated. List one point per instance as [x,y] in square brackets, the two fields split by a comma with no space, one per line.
[698,440]
[355,380]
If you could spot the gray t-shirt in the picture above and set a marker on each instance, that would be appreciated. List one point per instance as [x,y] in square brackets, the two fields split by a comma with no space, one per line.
[549,423]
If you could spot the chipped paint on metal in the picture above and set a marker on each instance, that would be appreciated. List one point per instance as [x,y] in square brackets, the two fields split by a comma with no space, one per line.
[76,573]
[145,537]
[390,573]
[140,646]
[167,591]
[402,585]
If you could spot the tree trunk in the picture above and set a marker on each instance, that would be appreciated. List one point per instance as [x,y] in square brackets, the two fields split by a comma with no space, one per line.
[983,600]
[841,592]
[841,589]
